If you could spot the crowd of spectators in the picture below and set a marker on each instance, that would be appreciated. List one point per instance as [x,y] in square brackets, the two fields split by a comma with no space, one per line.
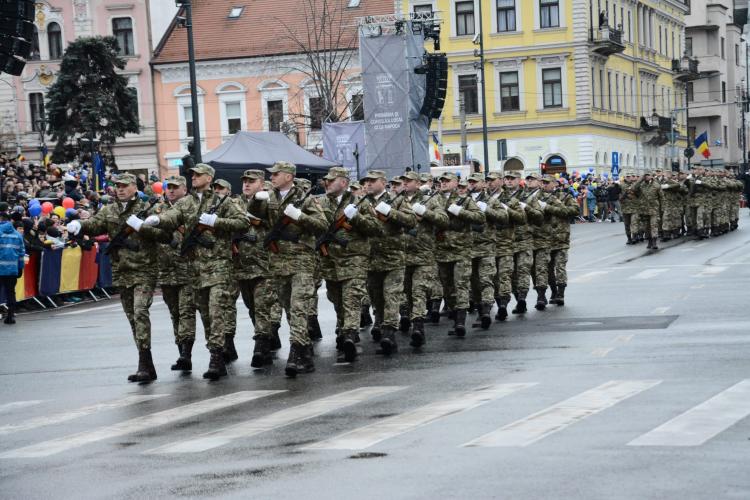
[598,196]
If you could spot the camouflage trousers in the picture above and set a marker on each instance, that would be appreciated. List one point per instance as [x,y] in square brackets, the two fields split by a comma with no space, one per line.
[346,297]
[522,262]
[455,277]
[631,224]
[136,301]
[231,315]
[483,273]
[417,285]
[558,263]
[649,225]
[181,305]
[312,308]
[540,268]
[435,287]
[259,297]
[734,209]
[386,290]
[504,276]
[212,302]
[699,217]
[295,292]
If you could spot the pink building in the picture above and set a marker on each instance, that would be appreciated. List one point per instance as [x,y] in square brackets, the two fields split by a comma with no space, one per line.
[57,23]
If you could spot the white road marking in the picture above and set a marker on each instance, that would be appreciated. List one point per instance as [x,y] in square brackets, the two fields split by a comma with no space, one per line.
[648,274]
[700,244]
[709,272]
[688,249]
[585,278]
[660,310]
[698,287]
[134,425]
[281,418]
[616,254]
[701,423]
[73,414]
[601,352]
[19,404]
[364,437]
[564,414]
[624,339]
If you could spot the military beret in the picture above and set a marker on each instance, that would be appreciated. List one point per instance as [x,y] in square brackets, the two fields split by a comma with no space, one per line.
[283,166]
[204,169]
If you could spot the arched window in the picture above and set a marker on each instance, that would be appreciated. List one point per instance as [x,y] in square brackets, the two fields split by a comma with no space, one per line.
[54,40]
[555,164]
[35,53]
[513,164]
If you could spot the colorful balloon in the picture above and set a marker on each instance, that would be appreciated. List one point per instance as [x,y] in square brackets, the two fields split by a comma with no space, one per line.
[68,203]
[70,212]
[33,202]
[158,187]
[59,211]
[35,210]
[47,207]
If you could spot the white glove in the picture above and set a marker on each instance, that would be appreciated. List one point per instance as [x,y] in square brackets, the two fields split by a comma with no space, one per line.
[262,195]
[292,212]
[665,186]
[134,222]
[74,227]
[699,181]
[690,176]
[543,204]
[482,206]
[152,220]
[454,209]
[208,219]
[504,206]
[425,188]
[419,209]
[350,211]
[383,208]
[523,205]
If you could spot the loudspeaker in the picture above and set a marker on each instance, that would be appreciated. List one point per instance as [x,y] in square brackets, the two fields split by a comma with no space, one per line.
[17,9]
[435,67]
[15,46]
[11,65]
[16,28]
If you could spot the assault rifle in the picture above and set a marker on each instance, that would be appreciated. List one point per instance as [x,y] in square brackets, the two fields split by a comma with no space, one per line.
[195,237]
[337,223]
[122,238]
[279,232]
[440,235]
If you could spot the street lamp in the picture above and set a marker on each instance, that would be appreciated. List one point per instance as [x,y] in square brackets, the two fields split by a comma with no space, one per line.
[187,22]
[480,53]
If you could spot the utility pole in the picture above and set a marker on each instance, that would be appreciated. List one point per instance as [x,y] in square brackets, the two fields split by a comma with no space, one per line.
[462,119]
[741,103]
[484,96]
[188,23]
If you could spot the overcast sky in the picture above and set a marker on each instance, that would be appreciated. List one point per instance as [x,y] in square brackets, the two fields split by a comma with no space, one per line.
[162,12]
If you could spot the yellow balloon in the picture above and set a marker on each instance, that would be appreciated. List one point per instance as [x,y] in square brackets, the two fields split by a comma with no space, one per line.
[557,176]
[60,212]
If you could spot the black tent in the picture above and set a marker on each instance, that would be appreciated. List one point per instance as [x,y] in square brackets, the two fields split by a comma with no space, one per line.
[260,150]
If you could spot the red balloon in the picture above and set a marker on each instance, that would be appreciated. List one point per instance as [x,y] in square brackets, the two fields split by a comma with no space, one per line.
[157,187]
[68,203]
[47,207]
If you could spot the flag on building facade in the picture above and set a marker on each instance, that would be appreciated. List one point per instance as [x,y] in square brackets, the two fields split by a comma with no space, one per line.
[701,144]
[436,146]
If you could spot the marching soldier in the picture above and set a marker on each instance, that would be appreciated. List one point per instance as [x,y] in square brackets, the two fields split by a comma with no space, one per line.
[697,202]
[672,192]
[650,197]
[134,258]
[551,209]
[629,213]
[428,187]
[559,238]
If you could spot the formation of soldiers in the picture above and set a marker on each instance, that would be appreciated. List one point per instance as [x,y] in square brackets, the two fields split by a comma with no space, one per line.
[407,248]
[702,203]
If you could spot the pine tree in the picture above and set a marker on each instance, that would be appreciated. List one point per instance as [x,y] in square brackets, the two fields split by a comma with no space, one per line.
[89,98]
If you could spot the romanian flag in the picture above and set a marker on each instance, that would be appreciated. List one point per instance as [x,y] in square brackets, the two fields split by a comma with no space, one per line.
[701,144]
[67,270]
[435,146]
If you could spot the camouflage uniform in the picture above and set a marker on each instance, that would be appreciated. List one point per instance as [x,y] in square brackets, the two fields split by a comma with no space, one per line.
[698,200]
[628,202]
[559,246]
[672,192]
[650,198]
[523,258]
[551,208]
[504,249]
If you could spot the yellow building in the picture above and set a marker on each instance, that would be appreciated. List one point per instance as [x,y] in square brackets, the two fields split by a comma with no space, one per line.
[573,84]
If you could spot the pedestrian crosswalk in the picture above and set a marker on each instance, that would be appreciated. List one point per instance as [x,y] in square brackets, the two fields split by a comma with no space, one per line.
[694,423]
[632,273]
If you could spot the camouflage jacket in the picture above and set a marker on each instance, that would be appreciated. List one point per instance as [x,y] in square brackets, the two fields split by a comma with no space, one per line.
[484,236]
[673,193]
[129,266]
[516,217]
[349,254]
[544,233]
[174,269]
[454,242]
[296,250]
[387,252]
[628,198]
[213,265]
[561,223]
[420,240]
[524,236]
[698,190]
[650,197]
[251,257]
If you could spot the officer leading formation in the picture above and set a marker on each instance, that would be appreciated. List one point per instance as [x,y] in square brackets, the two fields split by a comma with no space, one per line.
[411,249]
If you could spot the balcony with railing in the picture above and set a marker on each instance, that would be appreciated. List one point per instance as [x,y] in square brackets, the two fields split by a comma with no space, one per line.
[685,69]
[607,40]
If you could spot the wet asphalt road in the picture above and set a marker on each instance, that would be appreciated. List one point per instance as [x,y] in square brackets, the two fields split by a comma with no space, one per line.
[638,388]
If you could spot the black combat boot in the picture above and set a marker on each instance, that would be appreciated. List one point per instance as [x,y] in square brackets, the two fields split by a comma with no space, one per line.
[459,324]
[417,335]
[404,323]
[388,343]
[520,303]
[364,316]
[553,293]
[376,333]
[184,362]
[472,307]
[146,371]
[652,242]
[313,328]
[541,299]
[275,343]
[348,347]
[216,366]
[230,352]
[305,362]
[502,308]
[484,315]
[293,365]
[435,311]
[560,294]
[261,353]
[10,317]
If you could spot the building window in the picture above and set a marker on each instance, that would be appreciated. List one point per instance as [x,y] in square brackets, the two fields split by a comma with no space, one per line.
[723,91]
[552,87]
[726,137]
[506,15]
[35,54]
[236,12]
[233,111]
[509,92]
[275,115]
[609,90]
[723,52]
[630,29]
[689,91]
[688,46]
[467,87]
[736,54]
[465,18]
[593,87]
[601,88]
[357,107]
[36,106]
[317,109]
[122,29]
[423,9]
[134,97]
[617,93]
[54,40]
[187,112]
[549,11]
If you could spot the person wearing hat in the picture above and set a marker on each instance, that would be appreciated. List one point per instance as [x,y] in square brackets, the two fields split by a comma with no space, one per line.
[671,221]
[175,277]
[295,220]
[385,278]
[523,238]
[12,262]
[421,267]
[252,271]
[133,263]
[628,204]
[344,255]
[216,220]
[698,198]
[453,250]
[504,245]
[560,241]
[651,198]
[428,187]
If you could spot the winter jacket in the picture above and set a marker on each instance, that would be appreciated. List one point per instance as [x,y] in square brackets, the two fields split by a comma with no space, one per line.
[11,250]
